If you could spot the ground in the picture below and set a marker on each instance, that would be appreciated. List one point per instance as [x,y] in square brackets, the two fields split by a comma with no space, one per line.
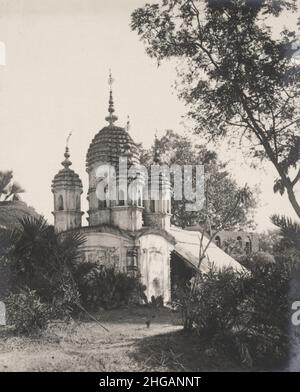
[128,345]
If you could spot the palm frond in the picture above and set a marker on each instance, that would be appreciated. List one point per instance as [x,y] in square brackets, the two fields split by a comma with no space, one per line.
[289,229]
[14,190]
[5,178]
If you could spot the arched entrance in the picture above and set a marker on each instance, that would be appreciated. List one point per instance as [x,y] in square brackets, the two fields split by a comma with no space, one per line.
[181,273]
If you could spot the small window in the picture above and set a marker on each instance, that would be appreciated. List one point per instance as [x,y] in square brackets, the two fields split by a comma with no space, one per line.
[140,201]
[152,205]
[101,204]
[239,241]
[248,246]
[121,198]
[106,201]
[60,203]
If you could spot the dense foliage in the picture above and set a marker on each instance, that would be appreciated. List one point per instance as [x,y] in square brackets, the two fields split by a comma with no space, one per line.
[106,287]
[220,188]
[41,259]
[238,77]
[245,315]
[26,312]
[47,279]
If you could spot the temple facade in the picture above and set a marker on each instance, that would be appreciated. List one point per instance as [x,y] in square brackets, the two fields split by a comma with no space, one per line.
[129,231]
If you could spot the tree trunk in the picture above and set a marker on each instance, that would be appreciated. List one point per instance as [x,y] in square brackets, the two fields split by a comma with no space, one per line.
[292,199]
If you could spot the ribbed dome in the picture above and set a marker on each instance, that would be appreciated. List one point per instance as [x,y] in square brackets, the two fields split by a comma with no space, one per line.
[109,144]
[66,177]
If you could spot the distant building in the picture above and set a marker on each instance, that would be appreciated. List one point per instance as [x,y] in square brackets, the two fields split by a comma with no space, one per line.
[134,234]
[245,242]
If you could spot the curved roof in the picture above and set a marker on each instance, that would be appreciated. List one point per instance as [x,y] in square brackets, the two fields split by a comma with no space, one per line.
[66,177]
[109,144]
[188,246]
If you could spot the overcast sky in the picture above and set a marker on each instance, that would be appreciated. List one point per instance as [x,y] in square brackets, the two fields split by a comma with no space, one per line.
[58,53]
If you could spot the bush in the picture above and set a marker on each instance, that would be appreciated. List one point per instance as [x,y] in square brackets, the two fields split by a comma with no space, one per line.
[106,287]
[157,302]
[257,259]
[246,315]
[65,299]
[26,312]
[40,259]
[211,304]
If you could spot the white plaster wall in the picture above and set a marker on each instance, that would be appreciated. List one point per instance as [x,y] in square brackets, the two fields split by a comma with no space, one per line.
[64,220]
[153,259]
[106,248]
[127,218]
[70,216]
[100,217]
[157,219]
[154,265]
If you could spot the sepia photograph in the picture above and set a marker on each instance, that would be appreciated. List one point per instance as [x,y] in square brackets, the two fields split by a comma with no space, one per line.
[150,189]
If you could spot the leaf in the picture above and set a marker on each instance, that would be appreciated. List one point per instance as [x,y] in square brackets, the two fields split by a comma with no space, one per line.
[278,186]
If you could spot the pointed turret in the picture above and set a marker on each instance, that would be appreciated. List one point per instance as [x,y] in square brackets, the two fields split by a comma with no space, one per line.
[67,190]
[158,207]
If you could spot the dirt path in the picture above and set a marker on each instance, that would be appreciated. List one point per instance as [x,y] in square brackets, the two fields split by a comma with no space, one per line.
[85,346]
[128,346]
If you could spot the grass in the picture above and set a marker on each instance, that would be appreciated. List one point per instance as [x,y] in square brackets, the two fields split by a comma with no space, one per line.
[128,346]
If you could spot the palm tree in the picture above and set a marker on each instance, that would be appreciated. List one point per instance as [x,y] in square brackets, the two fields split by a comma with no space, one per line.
[9,189]
[40,258]
[289,230]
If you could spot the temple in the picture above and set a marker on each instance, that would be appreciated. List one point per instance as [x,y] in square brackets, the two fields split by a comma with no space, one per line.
[129,231]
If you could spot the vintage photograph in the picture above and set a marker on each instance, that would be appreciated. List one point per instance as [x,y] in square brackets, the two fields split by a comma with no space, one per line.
[149,187]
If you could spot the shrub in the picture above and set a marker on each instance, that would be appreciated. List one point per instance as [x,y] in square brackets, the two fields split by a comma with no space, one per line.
[106,286]
[26,312]
[157,302]
[246,315]
[65,299]
[268,305]
[259,259]
[211,304]
[4,276]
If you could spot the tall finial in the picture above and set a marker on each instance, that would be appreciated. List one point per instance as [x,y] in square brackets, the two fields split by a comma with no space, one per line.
[128,124]
[111,118]
[66,163]
[68,139]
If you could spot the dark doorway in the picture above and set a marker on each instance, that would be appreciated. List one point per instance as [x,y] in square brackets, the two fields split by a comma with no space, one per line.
[181,274]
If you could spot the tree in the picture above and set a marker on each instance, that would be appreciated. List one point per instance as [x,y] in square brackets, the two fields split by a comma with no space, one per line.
[239,80]
[9,190]
[289,231]
[40,259]
[220,188]
[268,240]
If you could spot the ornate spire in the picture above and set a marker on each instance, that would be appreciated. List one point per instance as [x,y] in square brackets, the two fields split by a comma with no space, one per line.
[111,118]
[128,124]
[66,163]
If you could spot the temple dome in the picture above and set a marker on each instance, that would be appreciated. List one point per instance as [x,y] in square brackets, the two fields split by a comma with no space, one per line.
[66,177]
[112,142]
[109,144]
